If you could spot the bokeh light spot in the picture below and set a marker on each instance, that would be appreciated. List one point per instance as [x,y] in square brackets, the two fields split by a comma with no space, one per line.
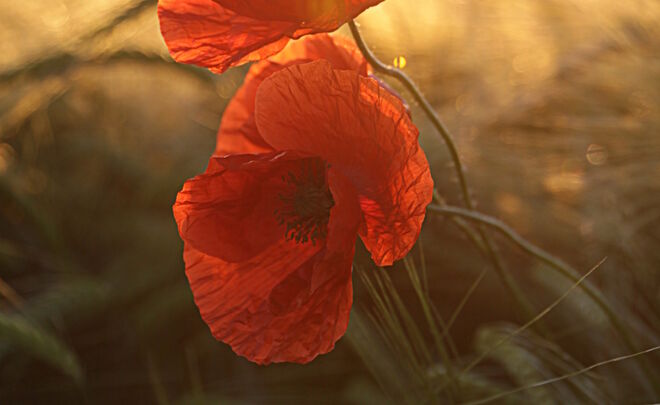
[400,62]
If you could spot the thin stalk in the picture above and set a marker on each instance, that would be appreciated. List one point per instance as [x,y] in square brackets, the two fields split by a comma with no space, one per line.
[425,291]
[562,267]
[471,235]
[529,323]
[387,316]
[465,299]
[563,377]
[559,265]
[428,313]
[491,249]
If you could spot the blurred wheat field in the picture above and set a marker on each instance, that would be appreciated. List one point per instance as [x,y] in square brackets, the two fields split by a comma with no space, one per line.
[554,105]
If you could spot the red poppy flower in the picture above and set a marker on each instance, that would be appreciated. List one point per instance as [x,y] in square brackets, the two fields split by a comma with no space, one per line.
[218,34]
[320,153]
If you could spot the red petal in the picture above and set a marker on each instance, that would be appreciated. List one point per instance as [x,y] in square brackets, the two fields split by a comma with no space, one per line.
[204,33]
[362,131]
[289,303]
[341,52]
[223,33]
[228,212]
[326,15]
[238,131]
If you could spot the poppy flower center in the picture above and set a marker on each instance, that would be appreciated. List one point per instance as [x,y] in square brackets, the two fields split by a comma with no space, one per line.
[306,203]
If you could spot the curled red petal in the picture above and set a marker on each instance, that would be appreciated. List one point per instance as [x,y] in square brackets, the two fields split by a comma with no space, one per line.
[238,131]
[289,303]
[362,131]
[218,34]
[204,33]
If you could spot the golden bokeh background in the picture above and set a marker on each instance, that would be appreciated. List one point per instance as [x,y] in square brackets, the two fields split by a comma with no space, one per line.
[554,107]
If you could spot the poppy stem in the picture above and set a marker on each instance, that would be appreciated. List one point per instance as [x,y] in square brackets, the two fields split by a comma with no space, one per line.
[491,249]
[423,102]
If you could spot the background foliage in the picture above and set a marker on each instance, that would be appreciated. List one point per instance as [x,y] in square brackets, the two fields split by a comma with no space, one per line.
[554,106]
